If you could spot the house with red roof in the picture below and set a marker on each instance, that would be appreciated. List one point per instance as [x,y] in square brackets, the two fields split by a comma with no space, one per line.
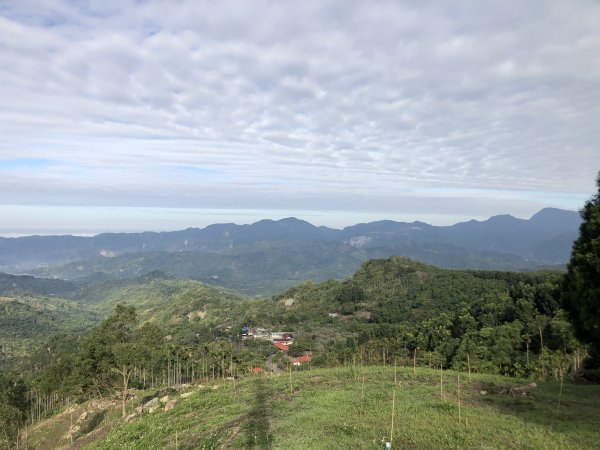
[283,346]
[301,360]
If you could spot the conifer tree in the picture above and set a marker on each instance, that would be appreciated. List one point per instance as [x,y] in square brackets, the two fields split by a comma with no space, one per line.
[581,286]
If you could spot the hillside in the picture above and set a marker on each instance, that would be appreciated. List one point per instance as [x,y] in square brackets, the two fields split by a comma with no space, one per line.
[27,321]
[343,408]
[11,284]
[156,331]
[266,268]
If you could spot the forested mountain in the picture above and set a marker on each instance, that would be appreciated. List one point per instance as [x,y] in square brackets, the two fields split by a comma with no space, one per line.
[10,284]
[546,238]
[265,268]
[27,321]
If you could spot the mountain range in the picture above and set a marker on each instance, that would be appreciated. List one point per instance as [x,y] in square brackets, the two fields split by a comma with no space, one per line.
[279,253]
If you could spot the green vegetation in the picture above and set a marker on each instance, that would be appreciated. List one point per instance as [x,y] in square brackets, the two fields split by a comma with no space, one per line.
[496,322]
[160,332]
[334,408]
[26,321]
[581,288]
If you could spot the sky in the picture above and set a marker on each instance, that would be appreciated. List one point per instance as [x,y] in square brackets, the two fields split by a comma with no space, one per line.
[161,115]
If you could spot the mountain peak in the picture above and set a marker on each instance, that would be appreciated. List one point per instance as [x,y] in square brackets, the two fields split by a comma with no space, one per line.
[553,213]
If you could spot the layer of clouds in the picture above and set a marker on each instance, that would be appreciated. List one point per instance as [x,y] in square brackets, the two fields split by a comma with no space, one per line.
[392,106]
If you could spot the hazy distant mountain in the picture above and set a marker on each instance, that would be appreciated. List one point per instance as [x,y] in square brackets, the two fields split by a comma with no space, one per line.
[501,242]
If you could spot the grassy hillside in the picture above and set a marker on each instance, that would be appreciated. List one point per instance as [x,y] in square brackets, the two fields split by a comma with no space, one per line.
[335,408]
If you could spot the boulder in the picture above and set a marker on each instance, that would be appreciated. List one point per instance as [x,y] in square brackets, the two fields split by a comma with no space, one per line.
[130,417]
[187,394]
[151,403]
[164,399]
[170,405]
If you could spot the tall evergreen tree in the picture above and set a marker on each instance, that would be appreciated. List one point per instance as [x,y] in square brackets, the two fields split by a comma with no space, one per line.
[581,286]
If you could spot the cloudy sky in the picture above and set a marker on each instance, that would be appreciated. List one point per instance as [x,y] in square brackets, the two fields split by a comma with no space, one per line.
[133,115]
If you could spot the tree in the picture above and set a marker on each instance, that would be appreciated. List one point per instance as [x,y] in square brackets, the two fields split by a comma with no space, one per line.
[14,404]
[111,348]
[581,285]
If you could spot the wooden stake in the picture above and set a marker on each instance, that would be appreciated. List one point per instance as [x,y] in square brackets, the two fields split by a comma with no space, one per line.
[362,395]
[395,370]
[393,414]
[441,384]
[71,417]
[415,361]
[233,375]
[291,389]
[458,396]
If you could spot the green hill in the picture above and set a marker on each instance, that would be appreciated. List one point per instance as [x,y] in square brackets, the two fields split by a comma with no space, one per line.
[346,408]
[27,321]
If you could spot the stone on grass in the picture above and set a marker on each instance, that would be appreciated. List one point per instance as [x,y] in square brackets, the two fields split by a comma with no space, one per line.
[170,405]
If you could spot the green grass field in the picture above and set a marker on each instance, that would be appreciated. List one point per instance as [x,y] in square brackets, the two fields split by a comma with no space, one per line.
[328,409]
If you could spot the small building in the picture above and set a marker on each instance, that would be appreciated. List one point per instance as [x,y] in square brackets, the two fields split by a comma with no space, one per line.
[302,360]
[282,337]
[281,346]
[260,333]
[257,370]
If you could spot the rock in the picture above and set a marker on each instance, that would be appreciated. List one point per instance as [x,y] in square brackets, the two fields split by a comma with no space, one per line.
[170,405]
[83,416]
[164,399]
[518,391]
[74,429]
[138,410]
[215,387]
[483,392]
[187,394]
[201,386]
[130,417]
[151,403]
[153,409]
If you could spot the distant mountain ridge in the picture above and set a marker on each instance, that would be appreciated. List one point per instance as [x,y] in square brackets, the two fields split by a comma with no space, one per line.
[502,242]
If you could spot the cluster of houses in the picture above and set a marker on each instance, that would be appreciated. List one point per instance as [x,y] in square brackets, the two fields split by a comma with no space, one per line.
[280,339]
[276,337]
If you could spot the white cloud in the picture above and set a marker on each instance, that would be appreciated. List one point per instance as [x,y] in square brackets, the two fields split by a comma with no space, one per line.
[319,105]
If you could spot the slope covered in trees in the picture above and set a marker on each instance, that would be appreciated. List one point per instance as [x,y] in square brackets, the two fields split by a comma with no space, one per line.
[160,331]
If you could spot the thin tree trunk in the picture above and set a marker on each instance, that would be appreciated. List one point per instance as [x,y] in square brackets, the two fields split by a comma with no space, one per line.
[469,366]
